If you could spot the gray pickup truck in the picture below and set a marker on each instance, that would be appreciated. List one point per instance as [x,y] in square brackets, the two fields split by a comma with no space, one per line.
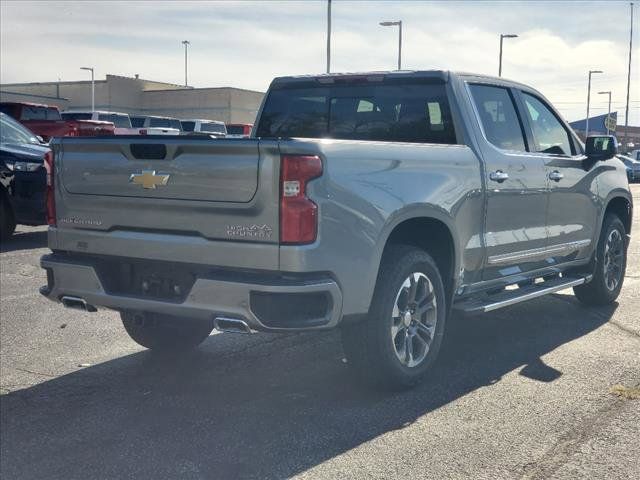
[376,202]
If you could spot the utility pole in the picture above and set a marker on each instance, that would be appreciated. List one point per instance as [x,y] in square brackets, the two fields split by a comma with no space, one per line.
[586,130]
[186,43]
[93,88]
[328,36]
[626,110]
[608,114]
[502,37]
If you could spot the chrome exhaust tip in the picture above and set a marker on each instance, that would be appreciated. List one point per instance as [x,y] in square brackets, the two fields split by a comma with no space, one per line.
[77,303]
[231,325]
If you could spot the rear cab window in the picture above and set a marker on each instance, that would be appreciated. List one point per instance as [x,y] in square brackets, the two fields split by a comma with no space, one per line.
[118,120]
[137,122]
[404,110]
[165,122]
[39,113]
[213,127]
[76,116]
[188,126]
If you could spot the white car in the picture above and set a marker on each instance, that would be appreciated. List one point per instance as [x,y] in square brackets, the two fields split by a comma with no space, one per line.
[121,121]
[201,126]
[153,125]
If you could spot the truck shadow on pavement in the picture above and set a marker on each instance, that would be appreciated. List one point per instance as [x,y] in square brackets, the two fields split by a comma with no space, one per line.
[267,409]
[22,240]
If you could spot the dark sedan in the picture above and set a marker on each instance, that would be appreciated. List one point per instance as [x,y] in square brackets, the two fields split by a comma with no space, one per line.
[22,177]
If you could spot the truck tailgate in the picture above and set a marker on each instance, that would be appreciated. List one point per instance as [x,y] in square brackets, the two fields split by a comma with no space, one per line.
[208,171]
[166,193]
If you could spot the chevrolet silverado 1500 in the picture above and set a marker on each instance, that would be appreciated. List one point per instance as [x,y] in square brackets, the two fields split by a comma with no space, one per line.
[376,202]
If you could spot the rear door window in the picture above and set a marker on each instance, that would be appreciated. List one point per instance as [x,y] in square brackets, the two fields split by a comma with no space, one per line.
[411,111]
[499,117]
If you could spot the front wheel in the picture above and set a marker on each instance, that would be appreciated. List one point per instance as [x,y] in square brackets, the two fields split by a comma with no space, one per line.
[399,342]
[163,332]
[611,263]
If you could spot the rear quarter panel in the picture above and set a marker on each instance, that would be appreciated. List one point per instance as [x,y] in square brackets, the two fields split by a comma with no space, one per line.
[367,189]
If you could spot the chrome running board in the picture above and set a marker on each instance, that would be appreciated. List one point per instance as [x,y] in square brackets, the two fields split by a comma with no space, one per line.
[486,303]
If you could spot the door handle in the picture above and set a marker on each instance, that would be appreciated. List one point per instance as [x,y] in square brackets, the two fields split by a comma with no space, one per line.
[499,176]
[556,176]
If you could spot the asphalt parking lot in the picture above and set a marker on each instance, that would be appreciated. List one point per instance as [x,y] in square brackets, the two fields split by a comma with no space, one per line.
[524,392]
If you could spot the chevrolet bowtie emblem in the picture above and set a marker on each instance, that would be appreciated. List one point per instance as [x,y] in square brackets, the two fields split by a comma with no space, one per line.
[149,179]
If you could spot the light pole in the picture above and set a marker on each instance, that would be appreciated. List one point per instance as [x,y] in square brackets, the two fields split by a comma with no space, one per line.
[399,24]
[586,129]
[502,37]
[328,36]
[608,114]
[186,43]
[626,109]
[93,88]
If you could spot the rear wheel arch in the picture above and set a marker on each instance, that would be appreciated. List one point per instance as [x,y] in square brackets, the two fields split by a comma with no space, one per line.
[433,235]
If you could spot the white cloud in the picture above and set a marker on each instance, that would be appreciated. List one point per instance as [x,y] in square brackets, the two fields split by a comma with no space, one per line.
[246,44]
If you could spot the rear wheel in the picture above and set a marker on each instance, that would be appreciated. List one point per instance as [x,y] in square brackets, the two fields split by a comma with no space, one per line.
[399,342]
[164,332]
[611,263]
[7,220]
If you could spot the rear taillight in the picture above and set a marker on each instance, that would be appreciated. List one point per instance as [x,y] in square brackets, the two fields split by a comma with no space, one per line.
[298,214]
[50,192]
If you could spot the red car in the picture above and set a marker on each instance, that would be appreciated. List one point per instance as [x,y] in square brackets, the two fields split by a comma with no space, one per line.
[46,121]
[239,130]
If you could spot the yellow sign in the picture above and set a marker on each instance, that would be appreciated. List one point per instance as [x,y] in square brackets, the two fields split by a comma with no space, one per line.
[610,123]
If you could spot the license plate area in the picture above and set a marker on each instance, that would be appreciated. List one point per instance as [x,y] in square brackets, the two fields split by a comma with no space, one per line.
[153,280]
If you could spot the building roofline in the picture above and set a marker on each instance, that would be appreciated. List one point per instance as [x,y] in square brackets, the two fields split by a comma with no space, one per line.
[21,94]
[196,89]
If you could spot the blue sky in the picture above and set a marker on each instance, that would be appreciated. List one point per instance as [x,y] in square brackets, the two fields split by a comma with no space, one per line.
[247,43]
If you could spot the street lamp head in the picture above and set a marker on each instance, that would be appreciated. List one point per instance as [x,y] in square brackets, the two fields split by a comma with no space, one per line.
[87,68]
[508,35]
[595,71]
[186,42]
[390,24]
[605,93]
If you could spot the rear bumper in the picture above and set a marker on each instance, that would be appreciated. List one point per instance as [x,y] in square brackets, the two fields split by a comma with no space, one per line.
[265,301]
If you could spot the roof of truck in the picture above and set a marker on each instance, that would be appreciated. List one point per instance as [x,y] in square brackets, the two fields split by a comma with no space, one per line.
[380,74]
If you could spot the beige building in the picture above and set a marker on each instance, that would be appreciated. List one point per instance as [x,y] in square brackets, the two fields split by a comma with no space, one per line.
[134,95]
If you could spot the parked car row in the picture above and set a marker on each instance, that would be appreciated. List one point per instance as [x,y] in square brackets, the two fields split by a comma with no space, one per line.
[47,122]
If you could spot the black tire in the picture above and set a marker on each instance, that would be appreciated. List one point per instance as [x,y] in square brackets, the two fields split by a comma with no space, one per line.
[598,291]
[165,333]
[370,346]
[7,220]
